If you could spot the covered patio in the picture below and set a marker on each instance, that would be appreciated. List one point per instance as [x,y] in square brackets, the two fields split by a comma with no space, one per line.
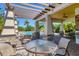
[48,13]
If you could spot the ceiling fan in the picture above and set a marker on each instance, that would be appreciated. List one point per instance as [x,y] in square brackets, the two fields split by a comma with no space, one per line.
[65,16]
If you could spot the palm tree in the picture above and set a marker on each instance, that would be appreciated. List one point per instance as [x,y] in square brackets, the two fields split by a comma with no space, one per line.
[26,23]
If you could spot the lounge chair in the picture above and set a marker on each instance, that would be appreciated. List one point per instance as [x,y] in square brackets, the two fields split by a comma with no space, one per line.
[62,47]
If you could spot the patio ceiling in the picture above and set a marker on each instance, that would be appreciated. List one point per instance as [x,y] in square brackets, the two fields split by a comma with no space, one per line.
[32,10]
[69,11]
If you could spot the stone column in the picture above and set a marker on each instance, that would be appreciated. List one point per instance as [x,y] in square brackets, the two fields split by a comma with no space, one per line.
[62,28]
[48,24]
[9,33]
[37,26]
[9,24]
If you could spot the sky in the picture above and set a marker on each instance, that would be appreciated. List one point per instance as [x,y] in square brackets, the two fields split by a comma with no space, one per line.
[21,20]
[2,7]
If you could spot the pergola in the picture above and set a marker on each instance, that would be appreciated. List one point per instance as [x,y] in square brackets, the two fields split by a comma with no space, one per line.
[36,11]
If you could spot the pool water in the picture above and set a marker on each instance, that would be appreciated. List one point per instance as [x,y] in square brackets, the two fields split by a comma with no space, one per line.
[30,33]
[27,33]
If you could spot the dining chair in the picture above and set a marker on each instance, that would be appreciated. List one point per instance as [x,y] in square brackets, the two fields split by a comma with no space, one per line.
[56,39]
[50,37]
[36,35]
[62,47]
[62,33]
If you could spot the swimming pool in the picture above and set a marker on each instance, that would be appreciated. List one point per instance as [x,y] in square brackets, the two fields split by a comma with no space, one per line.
[27,33]
[30,33]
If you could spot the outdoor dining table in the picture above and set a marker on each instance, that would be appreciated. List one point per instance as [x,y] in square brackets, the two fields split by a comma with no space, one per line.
[41,47]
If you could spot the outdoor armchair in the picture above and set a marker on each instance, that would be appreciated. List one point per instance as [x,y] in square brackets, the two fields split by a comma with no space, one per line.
[62,47]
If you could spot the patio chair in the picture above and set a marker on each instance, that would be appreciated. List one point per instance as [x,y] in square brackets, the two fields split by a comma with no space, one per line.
[50,37]
[61,51]
[56,39]
[62,33]
[35,35]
